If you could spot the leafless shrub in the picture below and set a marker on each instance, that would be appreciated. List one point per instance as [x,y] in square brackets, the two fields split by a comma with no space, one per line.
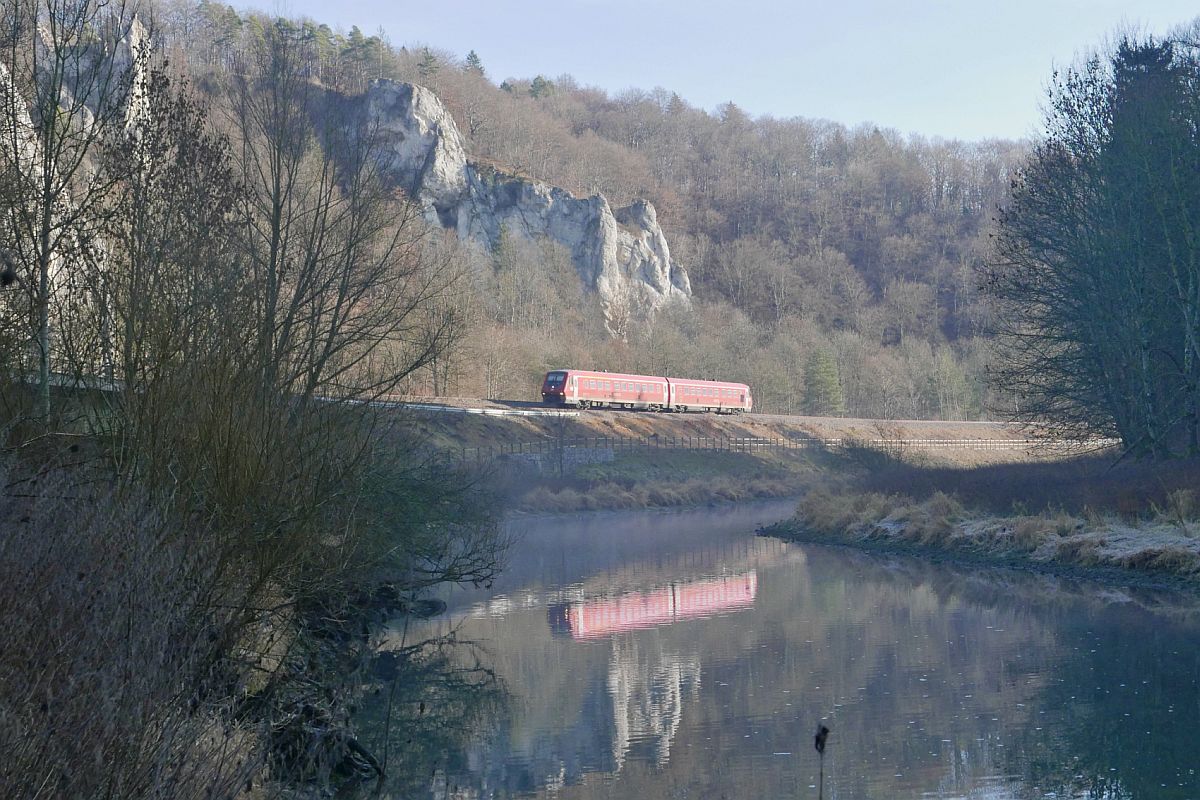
[1180,509]
[108,681]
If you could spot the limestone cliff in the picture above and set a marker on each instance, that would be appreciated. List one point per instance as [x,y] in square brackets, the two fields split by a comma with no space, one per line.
[622,255]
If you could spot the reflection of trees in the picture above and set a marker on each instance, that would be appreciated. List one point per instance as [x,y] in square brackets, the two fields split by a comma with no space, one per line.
[967,683]
[1130,705]
[430,702]
[647,687]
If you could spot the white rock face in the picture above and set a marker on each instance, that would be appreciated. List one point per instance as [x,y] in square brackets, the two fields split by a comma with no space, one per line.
[424,149]
[623,256]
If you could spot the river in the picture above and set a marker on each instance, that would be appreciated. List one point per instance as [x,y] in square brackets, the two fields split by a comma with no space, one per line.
[673,655]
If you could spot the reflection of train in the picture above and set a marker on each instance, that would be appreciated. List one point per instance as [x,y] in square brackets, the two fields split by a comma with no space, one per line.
[591,619]
[572,387]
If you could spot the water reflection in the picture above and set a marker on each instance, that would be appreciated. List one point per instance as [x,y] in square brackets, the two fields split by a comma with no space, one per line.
[662,605]
[429,700]
[678,655]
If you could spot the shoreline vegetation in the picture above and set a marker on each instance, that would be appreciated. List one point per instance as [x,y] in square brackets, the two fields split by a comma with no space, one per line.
[668,480]
[1134,523]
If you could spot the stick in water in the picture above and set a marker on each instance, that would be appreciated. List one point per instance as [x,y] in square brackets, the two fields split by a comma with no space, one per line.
[819,743]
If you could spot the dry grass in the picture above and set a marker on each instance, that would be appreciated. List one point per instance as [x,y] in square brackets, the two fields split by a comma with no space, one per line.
[1092,484]
[1175,560]
[1083,550]
[833,513]
[610,495]
[933,521]
[108,685]
[942,523]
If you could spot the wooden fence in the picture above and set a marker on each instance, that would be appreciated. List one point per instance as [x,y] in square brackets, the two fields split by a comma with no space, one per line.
[740,444]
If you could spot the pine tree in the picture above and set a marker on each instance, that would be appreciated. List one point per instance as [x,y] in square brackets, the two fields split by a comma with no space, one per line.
[822,386]
[540,87]
[475,64]
[429,65]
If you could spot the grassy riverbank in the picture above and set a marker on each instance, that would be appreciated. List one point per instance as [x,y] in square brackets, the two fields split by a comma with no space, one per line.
[1084,515]
[669,479]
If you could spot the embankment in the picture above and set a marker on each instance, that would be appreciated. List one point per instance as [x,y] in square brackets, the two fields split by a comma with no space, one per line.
[1135,524]
[596,460]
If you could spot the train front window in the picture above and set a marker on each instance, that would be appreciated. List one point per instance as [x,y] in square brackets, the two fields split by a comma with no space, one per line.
[556,379]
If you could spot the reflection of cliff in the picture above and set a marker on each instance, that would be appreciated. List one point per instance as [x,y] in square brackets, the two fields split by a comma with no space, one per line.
[592,619]
[647,693]
[937,682]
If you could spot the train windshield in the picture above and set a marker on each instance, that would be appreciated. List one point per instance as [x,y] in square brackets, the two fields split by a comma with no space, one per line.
[555,378]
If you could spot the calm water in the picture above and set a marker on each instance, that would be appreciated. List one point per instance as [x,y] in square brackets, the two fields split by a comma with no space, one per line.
[657,655]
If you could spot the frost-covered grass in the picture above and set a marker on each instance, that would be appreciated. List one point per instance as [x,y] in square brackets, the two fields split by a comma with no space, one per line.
[1164,539]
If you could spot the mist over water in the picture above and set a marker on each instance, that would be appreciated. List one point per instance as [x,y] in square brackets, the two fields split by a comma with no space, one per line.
[679,655]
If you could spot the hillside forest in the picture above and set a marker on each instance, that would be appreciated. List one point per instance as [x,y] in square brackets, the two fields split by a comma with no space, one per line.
[834,269]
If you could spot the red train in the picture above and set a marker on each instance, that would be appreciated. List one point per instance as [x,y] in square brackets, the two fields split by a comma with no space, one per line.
[583,389]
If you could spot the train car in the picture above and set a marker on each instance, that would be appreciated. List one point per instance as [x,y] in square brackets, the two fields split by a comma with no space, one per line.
[685,394]
[583,389]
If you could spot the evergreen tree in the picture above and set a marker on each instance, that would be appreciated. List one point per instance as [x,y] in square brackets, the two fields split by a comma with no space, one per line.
[429,65]
[823,386]
[474,64]
[540,87]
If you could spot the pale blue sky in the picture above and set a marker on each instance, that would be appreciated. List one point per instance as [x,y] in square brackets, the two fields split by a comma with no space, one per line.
[965,70]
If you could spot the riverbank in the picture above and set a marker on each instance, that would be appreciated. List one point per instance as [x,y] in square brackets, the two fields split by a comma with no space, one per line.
[1135,523]
[668,480]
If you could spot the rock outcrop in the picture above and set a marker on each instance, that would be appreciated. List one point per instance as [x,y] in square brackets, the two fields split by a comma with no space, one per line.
[622,255]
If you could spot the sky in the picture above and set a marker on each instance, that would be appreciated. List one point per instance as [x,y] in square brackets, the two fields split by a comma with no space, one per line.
[957,70]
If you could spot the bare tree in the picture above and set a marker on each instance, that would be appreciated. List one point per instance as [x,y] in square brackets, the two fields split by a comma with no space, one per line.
[1097,263]
[63,90]
[340,259]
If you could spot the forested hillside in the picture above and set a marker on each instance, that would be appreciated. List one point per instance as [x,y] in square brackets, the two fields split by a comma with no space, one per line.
[834,269]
